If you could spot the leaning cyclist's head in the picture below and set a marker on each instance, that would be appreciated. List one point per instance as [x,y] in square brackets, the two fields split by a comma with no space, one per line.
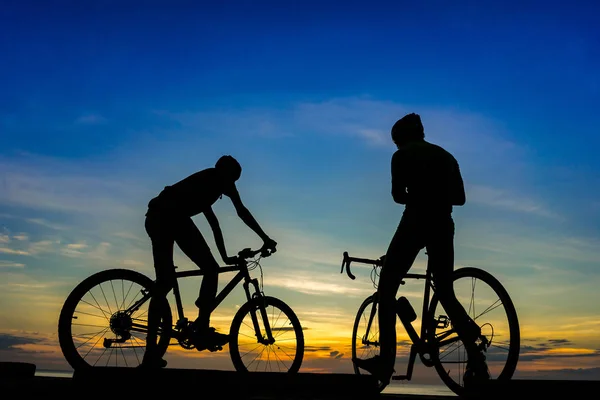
[408,128]
[229,167]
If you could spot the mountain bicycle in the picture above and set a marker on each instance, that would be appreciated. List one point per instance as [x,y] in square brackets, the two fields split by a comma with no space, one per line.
[103,321]
[437,345]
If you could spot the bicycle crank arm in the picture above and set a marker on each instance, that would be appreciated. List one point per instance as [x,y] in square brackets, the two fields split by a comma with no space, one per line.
[109,342]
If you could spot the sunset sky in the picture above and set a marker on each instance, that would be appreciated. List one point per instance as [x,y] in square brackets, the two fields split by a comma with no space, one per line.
[103,103]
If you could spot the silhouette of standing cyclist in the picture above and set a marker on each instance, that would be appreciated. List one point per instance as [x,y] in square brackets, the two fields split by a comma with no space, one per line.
[427,180]
[169,221]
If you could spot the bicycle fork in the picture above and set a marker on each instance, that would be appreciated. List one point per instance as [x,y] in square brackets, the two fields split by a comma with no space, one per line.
[263,313]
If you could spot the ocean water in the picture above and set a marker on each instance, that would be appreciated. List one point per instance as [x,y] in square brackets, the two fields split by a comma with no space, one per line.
[395,387]
[54,374]
[400,387]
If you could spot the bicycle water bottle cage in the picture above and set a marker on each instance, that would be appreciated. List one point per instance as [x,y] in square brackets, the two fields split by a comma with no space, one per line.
[405,311]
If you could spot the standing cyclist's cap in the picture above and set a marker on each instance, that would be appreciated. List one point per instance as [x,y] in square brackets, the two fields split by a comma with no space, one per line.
[408,127]
[230,166]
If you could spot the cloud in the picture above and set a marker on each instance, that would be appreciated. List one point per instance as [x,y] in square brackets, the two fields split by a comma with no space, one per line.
[72,192]
[364,118]
[504,199]
[6,250]
[11,264]
[36,221]
[11,342]
[90,119]
[336,354]
[313,285]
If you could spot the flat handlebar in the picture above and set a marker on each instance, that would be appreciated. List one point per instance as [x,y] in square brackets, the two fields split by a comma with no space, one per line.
[347,260]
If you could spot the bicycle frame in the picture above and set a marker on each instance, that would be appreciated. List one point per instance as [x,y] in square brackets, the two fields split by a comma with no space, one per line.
[419,345]
[243,274]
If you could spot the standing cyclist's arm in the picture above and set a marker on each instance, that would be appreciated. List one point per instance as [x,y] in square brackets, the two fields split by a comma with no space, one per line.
[398,179]
[247,217]
[459,197]
[217,233]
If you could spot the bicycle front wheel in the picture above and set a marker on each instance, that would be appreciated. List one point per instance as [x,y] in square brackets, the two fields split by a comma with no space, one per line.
[365,334]
[490,306]
[250,346]
[103,321]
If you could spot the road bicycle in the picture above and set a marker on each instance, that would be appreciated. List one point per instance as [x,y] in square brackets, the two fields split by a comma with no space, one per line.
[437,345]
[103,321]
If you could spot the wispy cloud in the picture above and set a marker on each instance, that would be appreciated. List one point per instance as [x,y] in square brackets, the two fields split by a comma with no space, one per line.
[60,186]
[6,250]
[11,264]
[504,199]
[315,285]
[90,119]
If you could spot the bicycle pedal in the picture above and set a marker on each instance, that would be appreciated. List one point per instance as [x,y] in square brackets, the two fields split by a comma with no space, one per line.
[211,348]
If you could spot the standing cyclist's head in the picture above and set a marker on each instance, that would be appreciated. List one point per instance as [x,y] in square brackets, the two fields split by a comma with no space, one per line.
[407,129]
[229,167]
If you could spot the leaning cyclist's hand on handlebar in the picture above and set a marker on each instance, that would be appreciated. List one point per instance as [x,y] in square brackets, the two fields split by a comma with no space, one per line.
[269,244]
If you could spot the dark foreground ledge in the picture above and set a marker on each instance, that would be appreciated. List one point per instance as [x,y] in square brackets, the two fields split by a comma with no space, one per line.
[536,389]
[130,382]
[135,382]
[229,384]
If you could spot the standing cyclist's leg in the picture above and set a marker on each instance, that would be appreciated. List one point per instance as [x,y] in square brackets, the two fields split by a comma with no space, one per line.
[192,243]
[402,251]
[400,256]
[440,250]
[162,253]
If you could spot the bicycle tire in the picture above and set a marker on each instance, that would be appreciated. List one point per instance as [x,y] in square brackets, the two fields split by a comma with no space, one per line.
[363,349]
[80,345]
[242,333]
[502,366]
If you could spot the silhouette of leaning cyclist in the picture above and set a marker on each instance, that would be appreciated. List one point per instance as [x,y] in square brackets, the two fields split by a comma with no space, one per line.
[168,221]
[427,180]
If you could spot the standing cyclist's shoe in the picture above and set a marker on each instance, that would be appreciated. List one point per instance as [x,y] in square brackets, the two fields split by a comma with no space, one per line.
[375,367]
[153,364]
[210,339]
[477,370]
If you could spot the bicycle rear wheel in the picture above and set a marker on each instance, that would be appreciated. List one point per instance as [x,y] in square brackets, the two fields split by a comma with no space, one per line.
[103,321]
[365,334]
[251,350]
[488,303]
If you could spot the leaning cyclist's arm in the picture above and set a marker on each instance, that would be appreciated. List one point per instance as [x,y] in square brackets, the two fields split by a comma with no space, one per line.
[217,233]
[244,213]
[398,178]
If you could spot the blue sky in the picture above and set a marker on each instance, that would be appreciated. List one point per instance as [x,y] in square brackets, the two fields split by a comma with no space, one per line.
[103,103]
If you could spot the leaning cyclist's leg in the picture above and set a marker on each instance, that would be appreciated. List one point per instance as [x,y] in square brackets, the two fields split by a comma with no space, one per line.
[162,252]
[194,246]
[440,250]
[400,256]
